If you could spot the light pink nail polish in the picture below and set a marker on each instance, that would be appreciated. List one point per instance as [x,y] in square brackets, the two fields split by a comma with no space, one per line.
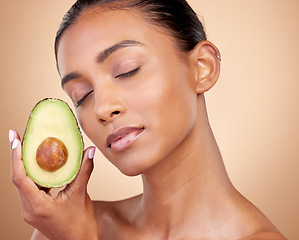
[15,143]
[91,153]
[11,135]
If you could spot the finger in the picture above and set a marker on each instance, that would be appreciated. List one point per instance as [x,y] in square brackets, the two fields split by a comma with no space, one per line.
[17,169]
[23,183]
[12,135]
[79,185]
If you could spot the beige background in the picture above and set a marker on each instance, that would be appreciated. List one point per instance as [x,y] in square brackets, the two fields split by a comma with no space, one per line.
[253,108]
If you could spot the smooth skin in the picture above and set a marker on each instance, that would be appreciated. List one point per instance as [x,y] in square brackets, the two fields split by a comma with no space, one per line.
[147,83]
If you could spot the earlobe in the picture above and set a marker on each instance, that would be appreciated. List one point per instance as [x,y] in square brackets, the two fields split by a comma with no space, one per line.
[206,59]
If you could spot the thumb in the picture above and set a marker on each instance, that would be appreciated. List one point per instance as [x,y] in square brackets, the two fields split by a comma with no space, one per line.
[79,185]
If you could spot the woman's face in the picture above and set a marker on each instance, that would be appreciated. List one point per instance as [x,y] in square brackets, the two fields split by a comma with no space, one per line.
[133,89]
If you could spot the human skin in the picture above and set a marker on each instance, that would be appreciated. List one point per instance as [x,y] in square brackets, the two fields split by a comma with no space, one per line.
[187,193]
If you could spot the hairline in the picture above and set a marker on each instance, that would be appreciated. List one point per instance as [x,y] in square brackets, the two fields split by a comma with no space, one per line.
[160,27]
[116,6]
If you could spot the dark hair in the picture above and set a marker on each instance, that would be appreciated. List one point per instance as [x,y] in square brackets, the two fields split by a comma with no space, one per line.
[175,17]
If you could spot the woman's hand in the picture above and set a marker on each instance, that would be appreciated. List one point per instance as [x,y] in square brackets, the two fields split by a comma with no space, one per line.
[70,215]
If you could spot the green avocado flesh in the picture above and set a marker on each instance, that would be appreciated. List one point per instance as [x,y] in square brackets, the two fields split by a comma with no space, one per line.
[52,144]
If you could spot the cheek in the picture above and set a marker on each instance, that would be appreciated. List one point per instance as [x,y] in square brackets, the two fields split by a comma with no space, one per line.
[90,126]
[82,120]
[168,95]
[168,104]
[79,117]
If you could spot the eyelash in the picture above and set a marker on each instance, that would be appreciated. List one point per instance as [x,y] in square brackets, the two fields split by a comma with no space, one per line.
[128,74]
[123,75]
[82,99]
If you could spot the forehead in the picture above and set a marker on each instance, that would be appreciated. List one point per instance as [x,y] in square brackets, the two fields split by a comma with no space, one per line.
[100,28]
[104,24]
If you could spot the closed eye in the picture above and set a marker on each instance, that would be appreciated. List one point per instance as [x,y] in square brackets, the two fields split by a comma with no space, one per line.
[83,99]
[128,74]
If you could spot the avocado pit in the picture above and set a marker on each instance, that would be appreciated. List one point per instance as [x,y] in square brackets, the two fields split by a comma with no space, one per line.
[51,154]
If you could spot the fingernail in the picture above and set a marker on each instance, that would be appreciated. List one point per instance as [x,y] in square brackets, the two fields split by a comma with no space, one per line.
[15,143]
[91,153]
[11,135]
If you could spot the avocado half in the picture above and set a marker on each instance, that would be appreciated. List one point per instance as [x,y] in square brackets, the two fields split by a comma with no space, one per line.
[52,144]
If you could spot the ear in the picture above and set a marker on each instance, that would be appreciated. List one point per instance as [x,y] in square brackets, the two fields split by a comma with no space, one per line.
[206,59]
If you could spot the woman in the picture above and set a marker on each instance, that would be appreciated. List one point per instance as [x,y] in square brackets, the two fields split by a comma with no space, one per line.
[137,72]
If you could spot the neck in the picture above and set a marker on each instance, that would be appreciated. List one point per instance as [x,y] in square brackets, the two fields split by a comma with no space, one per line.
[192,177]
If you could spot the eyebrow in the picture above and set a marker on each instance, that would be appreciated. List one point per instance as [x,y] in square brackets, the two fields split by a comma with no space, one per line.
[102,56]
[69,77]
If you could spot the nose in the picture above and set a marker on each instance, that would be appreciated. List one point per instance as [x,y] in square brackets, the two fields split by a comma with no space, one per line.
[108,106]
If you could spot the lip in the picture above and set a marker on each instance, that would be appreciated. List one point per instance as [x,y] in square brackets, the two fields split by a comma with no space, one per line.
[121,138]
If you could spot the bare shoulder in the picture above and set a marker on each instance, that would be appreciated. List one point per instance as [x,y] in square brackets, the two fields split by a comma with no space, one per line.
[267,235]
[254,225]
